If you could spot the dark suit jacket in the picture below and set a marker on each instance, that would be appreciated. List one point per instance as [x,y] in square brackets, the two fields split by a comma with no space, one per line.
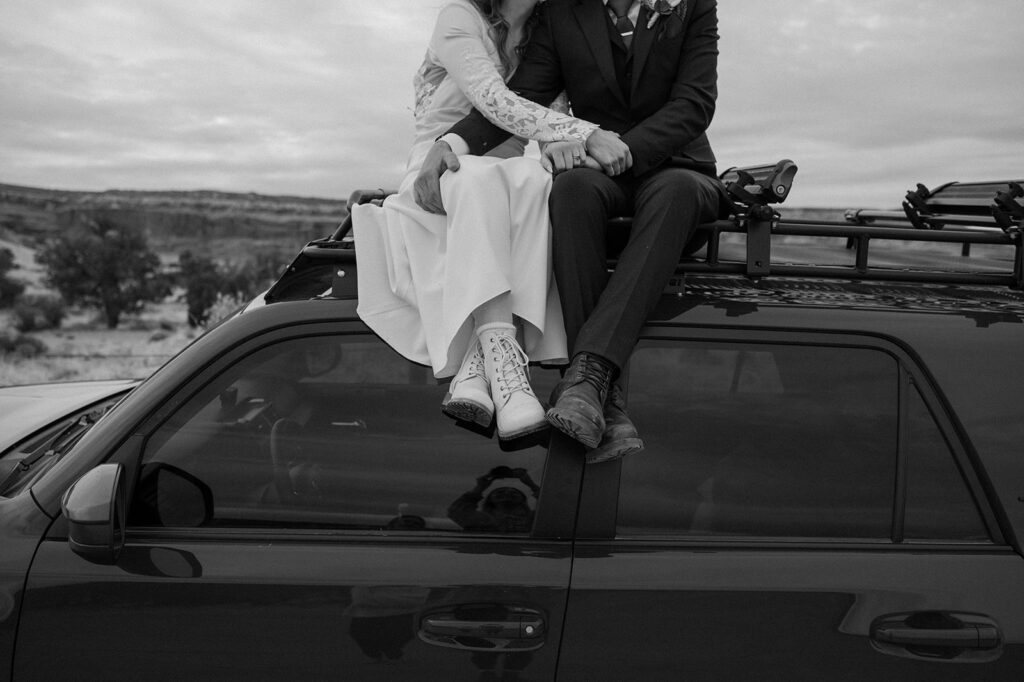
[671,100]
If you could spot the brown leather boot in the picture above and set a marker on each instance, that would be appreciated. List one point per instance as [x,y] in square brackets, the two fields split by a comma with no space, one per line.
[620,437]
[579,399]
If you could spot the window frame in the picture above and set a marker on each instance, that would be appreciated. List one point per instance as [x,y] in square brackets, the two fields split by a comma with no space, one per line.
[556,505]
[601,485]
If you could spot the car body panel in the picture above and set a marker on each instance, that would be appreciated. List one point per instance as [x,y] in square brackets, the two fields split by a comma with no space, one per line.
[226,604]
[260,587]
[790,608]
[256,607]
[707,611]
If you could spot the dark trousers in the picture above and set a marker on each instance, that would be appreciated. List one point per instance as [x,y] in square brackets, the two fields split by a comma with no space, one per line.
[605,311]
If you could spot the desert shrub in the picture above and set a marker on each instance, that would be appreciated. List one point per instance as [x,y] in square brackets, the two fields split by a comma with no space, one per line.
[212,290]
[104,265]
[35,313]
[20,345]
[203,281]
[10,289]
[255,274]
[225,306]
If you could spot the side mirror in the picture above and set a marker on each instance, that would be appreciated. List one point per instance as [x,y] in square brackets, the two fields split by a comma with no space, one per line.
[95,509]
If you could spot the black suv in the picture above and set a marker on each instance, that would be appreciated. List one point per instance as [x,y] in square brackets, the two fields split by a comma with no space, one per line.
[832,488]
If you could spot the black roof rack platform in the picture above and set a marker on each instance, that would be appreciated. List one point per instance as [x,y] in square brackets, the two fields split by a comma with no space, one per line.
[990,214]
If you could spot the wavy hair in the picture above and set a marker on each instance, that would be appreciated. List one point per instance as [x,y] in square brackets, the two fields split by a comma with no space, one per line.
[491,11]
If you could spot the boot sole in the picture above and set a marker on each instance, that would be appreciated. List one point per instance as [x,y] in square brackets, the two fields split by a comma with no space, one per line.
[615,450]
[575,430]
[525,431]
[467,411]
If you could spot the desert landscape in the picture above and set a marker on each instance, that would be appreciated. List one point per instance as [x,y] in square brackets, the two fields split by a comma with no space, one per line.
[230,229]
[227,227]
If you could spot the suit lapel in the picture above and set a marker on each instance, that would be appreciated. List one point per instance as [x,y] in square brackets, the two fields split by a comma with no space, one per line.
[643,40]
[593,20]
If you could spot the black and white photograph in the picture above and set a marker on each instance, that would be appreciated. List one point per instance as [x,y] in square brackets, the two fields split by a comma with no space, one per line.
[512,340]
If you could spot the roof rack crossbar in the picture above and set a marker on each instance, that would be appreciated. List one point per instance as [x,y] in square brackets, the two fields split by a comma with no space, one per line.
[979,204]
[967,213]
[758,252]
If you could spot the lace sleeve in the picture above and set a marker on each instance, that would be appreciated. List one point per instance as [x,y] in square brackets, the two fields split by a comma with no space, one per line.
[561,106]
[459,44]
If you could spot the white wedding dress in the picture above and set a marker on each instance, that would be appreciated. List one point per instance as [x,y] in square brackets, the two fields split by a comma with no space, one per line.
[422,275]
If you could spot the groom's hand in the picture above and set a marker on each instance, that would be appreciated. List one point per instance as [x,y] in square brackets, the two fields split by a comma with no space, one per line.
[427,186]
[610,151]
[557,157]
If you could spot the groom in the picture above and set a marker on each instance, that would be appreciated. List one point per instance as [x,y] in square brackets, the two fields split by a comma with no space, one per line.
[646,72]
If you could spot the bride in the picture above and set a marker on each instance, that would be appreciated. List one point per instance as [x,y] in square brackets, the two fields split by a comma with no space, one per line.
[452,290]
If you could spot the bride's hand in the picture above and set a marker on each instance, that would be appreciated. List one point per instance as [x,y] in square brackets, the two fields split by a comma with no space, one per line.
[561,156]
[427,186]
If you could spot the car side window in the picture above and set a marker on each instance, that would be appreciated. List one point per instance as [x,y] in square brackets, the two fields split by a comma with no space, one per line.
[335,432]
[939,506]
[773,440]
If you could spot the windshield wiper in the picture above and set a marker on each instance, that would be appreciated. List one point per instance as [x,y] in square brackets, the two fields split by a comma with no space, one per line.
[58,446]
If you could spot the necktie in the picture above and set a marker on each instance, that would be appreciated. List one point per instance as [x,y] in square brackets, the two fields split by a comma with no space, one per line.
[622,23]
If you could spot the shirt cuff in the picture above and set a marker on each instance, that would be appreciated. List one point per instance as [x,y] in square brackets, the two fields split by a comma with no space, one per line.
[459,146]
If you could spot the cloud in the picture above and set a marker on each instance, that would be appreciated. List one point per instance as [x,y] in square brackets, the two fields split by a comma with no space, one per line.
[870,98]
[313,97]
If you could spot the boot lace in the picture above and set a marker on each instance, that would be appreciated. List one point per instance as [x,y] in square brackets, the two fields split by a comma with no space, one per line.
[511,364]
[476,364]
[595,373]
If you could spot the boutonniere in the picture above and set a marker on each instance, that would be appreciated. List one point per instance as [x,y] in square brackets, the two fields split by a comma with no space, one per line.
[659,8]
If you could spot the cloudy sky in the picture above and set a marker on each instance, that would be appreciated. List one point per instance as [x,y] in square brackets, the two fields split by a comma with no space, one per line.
[313,97]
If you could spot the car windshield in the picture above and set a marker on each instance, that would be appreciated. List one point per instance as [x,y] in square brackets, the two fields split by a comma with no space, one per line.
[19,470]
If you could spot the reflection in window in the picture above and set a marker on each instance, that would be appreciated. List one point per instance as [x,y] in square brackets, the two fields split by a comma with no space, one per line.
[761,440]
[338,432]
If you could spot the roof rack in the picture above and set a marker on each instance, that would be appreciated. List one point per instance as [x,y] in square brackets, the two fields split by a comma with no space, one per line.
[983,205]
[958,213]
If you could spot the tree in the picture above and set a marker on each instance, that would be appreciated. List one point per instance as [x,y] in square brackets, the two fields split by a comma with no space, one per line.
[203,281]
[10,289]
[104,265]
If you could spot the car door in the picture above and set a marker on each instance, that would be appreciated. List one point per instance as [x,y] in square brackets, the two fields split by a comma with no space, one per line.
[804,510]
[303,510]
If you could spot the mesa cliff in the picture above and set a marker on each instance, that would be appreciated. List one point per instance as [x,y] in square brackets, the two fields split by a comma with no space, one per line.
[171,219]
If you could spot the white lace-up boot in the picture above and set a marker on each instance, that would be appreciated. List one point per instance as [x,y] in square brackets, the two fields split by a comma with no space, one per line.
[469,396]
[518,411]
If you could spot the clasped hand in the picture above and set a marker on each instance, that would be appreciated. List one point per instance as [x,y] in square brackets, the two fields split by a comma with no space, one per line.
[610,152]
[564,155]
[604,151]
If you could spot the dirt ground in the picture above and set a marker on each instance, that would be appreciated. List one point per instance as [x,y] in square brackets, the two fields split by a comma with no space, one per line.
[84,349]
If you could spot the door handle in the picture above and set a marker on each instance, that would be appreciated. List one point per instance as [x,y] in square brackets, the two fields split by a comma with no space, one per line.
[938,635]
[484,627]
